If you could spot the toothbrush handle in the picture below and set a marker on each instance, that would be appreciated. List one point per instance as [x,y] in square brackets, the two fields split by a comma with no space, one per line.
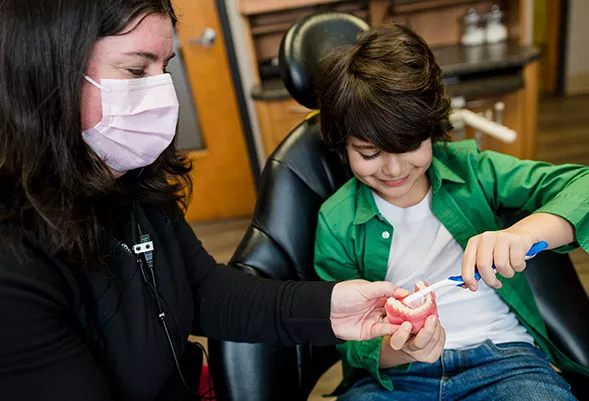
[477,276]
[458,279]
[534,250]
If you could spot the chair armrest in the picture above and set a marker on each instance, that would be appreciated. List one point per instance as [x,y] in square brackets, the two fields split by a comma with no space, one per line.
[560,296]
[562,301]
[258,371]
[578,384]
[253,372]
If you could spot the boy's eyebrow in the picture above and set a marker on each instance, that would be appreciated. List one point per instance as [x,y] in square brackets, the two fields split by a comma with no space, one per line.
[149,55]
[365,147]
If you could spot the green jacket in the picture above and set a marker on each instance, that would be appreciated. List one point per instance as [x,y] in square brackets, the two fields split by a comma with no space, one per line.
[469,189]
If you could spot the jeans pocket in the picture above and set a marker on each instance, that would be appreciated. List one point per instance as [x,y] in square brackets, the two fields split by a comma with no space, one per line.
[520,349]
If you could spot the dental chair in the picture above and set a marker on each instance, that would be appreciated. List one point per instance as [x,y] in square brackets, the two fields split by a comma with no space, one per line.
[297,178]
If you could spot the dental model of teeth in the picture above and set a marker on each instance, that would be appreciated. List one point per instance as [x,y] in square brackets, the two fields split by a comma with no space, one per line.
[399,312]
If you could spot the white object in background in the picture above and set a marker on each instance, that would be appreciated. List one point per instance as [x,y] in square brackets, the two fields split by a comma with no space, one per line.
[489,114]
[486,126]
[499,108]
[473,33]
[458,134]
[495,31]
[458,102]
[478,135]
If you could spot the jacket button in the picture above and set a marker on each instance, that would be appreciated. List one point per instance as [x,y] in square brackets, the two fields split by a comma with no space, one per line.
[386,234]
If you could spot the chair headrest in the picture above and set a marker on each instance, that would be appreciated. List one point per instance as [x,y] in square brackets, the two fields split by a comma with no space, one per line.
[306,43]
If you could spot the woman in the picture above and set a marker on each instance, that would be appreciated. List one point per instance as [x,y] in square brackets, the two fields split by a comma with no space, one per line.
[101,278]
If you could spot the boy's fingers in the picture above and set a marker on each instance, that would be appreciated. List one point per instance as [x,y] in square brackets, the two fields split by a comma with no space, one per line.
[400,337]
[484,263]
[469,262]
[501,257]
[384,329]
[425,335]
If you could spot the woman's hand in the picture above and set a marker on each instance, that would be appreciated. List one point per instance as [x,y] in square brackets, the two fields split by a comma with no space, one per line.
[357,309]
[426,346]
[505,249]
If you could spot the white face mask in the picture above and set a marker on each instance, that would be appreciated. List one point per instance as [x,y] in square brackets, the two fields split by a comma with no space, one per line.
[139,118]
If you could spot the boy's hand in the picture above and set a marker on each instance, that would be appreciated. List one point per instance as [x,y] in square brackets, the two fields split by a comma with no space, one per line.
[505,249]
[426,346]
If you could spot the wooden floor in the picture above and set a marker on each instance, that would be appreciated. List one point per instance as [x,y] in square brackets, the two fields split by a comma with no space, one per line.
[563,137]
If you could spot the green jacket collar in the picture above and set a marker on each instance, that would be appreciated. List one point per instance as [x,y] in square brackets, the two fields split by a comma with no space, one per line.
[442,168]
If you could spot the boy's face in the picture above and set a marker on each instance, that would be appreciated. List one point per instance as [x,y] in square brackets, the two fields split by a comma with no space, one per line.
[400,179]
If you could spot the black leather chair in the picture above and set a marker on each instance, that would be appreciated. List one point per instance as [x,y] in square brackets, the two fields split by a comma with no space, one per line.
[298,177]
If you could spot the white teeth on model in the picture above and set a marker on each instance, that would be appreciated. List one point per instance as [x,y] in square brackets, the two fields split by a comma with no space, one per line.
[399,306]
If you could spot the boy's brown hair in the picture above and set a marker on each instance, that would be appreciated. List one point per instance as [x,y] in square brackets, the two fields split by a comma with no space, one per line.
[386,89]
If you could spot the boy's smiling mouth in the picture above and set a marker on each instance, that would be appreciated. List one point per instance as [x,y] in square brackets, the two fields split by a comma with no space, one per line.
[395,183]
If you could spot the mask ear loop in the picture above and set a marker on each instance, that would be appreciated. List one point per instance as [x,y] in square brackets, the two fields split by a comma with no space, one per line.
[93,82]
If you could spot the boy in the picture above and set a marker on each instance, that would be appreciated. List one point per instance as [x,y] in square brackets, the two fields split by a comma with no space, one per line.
[420,208]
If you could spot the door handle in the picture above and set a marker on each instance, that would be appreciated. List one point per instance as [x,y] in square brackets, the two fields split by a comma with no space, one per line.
[206,39]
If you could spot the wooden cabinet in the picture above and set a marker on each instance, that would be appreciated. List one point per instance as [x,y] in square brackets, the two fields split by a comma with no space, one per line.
[482,75]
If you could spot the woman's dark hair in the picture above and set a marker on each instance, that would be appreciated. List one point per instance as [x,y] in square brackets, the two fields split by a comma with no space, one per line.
[51,187]
[387,89]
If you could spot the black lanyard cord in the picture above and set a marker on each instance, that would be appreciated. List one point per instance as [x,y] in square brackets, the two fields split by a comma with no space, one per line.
[144,251]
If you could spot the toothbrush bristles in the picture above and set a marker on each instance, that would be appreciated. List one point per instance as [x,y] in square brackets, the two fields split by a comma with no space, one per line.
[415,303]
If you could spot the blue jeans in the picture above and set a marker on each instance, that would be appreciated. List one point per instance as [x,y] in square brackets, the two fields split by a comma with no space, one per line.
[490,372]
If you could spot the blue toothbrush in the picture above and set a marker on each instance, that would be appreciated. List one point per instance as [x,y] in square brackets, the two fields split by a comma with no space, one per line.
[416,299]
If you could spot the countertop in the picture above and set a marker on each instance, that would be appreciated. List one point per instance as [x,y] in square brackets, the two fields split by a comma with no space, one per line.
[467,70]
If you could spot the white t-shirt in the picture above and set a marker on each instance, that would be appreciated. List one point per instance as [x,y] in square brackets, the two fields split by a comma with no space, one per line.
[423,249]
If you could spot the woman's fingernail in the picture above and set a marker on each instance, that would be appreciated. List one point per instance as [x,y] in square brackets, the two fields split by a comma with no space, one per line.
[406,325]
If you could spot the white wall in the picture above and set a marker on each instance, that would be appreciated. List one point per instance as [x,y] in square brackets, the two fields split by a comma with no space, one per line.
[246,71]
[577,60]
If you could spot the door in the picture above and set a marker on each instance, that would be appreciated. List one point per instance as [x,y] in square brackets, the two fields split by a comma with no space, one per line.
[222,176]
